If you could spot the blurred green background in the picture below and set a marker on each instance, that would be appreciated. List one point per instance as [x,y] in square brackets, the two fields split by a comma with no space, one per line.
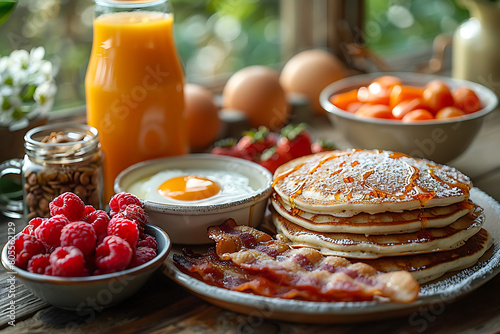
[214,37]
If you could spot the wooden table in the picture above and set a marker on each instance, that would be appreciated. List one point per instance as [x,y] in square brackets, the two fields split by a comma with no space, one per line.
[163,307]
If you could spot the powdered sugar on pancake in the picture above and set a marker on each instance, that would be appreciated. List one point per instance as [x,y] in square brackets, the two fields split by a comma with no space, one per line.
[345,183]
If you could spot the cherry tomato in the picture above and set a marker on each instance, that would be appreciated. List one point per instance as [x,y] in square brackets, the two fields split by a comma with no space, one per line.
[387,81]
[353,107]
[404,107]
[417,115]
[343,100]
[449,112]
[401,93]
[374,94]
[375,111]
[437,95]
[466,100]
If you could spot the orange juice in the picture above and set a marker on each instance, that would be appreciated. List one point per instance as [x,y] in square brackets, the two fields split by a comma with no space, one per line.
[134,90]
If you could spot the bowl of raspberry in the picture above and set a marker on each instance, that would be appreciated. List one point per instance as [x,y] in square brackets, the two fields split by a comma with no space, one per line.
[81,258]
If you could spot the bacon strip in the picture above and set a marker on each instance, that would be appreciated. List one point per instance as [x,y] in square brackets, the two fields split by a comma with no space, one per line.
[249,260]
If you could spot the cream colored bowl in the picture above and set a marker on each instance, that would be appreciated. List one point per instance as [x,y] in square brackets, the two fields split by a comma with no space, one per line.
[187,223]
[437,140]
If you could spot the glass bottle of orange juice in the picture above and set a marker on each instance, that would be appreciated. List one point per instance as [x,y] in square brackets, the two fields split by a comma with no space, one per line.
[134,84]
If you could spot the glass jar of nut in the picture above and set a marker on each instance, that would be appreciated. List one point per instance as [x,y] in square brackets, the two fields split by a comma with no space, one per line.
[61,158]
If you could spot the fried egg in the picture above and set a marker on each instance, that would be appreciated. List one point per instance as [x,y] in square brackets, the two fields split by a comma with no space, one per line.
[193,187]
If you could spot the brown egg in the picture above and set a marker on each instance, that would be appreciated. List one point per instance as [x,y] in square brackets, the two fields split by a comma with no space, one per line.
[309,72]
[256,91]
[202,118]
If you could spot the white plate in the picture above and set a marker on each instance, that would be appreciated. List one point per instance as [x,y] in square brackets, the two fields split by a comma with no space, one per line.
[444,290]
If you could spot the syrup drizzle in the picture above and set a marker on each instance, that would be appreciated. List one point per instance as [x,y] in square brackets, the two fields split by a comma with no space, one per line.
[348,179]
[410,189]
[375,192]
[467,205]
[285,174]
[459,185]
[298,190]
[422,218]
[336,172]
[367,175]
[397,155]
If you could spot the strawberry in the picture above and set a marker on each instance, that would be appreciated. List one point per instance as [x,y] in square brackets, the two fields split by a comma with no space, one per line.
[296,140]
[272,158]
[256,141]
[322,146]
[228,147]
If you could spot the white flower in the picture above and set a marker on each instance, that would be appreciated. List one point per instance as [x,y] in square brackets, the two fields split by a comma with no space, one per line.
[45,92]
[6,118]
[20,59]
[41,72]
[4,64]
[19,124]
[37,54]
[10,103]
[27,87]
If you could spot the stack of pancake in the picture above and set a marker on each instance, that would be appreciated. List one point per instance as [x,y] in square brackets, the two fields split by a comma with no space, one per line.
[383,208]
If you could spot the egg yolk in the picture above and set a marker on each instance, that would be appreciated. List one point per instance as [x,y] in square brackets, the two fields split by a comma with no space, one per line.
[188,188]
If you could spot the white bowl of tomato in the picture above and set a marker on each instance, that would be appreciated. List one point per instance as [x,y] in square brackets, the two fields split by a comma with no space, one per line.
[423,115]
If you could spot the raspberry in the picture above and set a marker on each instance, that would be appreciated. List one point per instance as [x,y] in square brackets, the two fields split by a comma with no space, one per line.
[32,225]
[142,255]
[40,264]
[90,262]
[68,261]
[136,213]
[25,246]
[113,254]
[139,227]
[48,270]
[88,209]
[67,204]
[79,234]
[125,229]
[120,201]
[49,231]
[149,241]
[99,220]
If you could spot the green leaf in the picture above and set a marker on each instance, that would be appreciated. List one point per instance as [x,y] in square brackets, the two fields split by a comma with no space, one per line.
[9,81]
[6,104]
[17,114]
[28,93]
[6,8]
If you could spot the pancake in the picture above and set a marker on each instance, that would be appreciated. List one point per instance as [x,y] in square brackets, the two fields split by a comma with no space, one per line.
[345,183]
[427,267]
[369,247]
[375,224]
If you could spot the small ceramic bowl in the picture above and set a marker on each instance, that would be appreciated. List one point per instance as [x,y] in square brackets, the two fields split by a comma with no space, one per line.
[187,223]
[91,292]
[437,140]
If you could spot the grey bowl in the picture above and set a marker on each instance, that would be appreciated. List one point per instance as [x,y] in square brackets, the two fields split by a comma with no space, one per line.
[436,140]
[91,293]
